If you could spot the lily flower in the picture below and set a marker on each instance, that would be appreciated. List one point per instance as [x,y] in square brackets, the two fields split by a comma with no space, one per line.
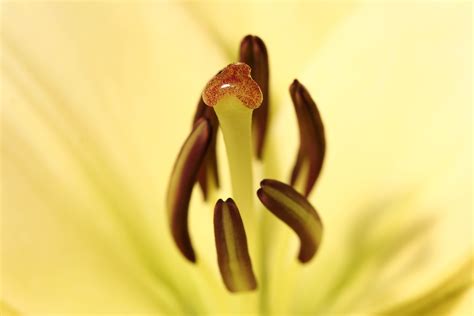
[348,192]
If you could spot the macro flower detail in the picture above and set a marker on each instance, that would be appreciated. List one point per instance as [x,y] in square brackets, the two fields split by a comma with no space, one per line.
[94,116]
[232,97]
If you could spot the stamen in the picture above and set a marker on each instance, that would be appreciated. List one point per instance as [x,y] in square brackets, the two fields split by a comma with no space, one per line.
[182,180]
[254,53]
[312,139]
[293,209]
[208,176]
[232,250]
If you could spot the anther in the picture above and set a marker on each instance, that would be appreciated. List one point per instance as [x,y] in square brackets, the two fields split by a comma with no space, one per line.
[182,180]
[312,139]
[208,176]
[232,250]
[295,210]
[254,53]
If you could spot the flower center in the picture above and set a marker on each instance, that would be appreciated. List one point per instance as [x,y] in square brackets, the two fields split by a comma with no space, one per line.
[238,105]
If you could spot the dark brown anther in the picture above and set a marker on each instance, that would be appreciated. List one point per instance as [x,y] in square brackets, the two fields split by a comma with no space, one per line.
[312,139]
[254,53]
[182,180]
[232,250]
[295,210]
[209,170]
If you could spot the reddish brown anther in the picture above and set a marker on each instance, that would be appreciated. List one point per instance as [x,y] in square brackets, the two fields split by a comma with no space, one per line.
[232,250]
[182,180]
[254,53]
[312,139]
[209,170]
[233,80]
[295,210]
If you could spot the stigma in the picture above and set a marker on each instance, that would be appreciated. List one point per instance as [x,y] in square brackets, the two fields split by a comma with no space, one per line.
[233,80]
